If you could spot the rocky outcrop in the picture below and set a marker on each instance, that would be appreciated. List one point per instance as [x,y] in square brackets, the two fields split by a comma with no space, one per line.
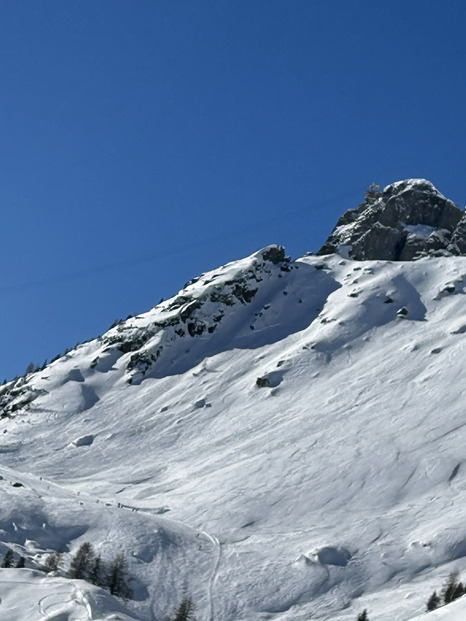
[405,221]
[206,306]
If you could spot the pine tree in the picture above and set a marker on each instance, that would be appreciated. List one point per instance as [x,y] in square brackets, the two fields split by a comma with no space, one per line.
[117,579]
[21,563]
[82,563]
[450,587]
[459,590]
[96,574]
[52,562]
[363,616]
[8,559]
[433,602]
[185,611]
[30,368]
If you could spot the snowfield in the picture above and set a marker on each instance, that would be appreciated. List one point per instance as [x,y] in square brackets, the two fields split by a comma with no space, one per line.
[334,483]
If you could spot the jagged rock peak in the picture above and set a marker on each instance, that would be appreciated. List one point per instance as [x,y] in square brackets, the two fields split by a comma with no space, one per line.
[406,220]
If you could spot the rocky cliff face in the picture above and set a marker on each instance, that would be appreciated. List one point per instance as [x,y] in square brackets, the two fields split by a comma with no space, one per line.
[405,221]
[228,307]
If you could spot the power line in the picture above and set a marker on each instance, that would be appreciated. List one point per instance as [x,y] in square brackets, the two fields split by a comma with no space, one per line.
[316,208]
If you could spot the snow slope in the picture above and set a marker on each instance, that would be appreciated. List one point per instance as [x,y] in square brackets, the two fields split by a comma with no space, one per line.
[335,483]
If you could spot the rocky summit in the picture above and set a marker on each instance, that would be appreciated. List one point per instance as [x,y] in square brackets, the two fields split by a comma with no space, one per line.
[407,220]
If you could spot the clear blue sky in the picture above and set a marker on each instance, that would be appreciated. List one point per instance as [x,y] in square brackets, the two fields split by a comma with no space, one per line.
[146,141]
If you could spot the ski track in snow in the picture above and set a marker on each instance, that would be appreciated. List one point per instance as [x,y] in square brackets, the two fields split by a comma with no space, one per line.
[213,576]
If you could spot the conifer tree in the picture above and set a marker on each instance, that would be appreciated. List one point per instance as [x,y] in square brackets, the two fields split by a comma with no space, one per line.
[117,579]
[363,616]
[185,611]
[8,559]
[52,562]
[82,563]
[30,368]
[451,587]
[96,574]
[459,590]
[21,563]
[433,602]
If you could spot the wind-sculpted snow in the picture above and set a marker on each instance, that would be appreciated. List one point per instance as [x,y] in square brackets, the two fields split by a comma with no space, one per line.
[334,483]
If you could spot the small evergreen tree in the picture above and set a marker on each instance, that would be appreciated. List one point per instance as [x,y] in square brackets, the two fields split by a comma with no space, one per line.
[117,579]
[185,611]
[363,616]
[21,563]
[8,559]
[459,590]
[52,562]
[96,574]
[433,602]
[451,587]
[82,563]
[30,368]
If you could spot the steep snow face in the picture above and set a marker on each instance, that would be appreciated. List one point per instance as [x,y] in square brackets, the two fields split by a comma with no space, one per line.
[281,440]
[406,220]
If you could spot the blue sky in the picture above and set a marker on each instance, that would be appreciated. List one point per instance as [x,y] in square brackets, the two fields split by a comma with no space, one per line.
[144,142]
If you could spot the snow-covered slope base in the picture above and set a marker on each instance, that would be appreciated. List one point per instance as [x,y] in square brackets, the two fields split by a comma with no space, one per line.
[292,435]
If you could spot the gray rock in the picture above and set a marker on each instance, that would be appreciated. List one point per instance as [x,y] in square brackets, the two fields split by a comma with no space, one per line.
[458,238]
[84,441]
[334,556]
[405,221]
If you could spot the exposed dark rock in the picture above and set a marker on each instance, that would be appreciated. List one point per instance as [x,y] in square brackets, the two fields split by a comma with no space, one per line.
[458,238]
[195,328]
[334,556]
[243,294]
[263,382]
[127,339]
[448,289]
[142,361]
[406,221]
[275,254]
[188,312]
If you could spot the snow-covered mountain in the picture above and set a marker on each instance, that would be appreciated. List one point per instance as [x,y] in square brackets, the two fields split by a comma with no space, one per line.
[281,440]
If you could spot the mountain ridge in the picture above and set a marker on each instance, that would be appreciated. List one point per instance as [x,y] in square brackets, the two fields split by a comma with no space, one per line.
[300,460]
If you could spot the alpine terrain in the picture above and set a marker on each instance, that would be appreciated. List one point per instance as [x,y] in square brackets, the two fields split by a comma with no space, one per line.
[283,439]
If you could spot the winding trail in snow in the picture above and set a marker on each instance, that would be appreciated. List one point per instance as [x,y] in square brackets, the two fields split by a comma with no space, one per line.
[78,596]
[213,576]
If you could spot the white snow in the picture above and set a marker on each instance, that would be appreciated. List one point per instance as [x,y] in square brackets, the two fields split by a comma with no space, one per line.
[409,184]
[339,487]
[419,230]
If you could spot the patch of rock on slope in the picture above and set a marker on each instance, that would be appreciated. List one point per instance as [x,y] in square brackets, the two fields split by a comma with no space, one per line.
[245,304]
[405,221]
